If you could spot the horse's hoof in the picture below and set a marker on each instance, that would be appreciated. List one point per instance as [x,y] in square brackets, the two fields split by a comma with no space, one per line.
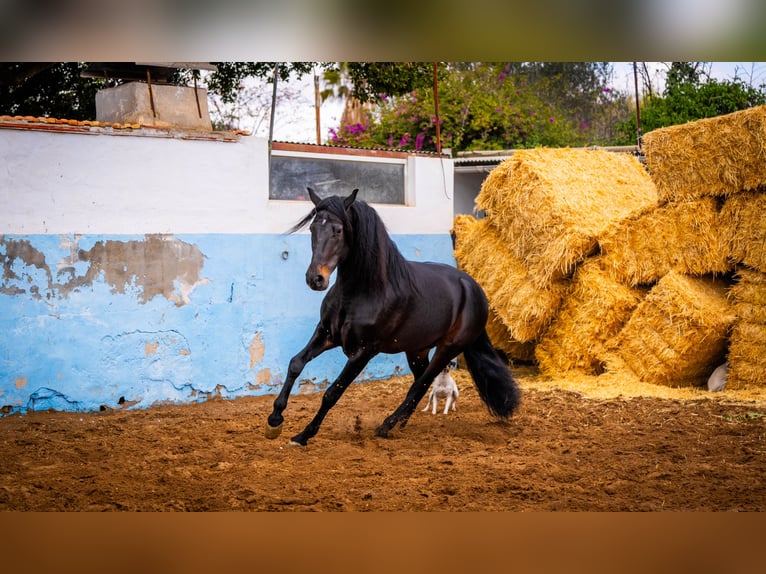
[381,432]
[273,432]
[297,441]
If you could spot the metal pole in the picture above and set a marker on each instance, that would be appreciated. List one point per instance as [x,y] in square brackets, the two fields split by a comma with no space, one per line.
[638,109]
[151,95]
[317,105]
[273,106]
[196,93]
[271,119]
[436,107]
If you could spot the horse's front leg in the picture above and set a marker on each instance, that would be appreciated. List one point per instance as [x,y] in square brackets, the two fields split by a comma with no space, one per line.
[350,371]
[320,342]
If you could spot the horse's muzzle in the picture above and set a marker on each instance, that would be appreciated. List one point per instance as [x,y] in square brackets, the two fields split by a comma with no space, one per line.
[318,278]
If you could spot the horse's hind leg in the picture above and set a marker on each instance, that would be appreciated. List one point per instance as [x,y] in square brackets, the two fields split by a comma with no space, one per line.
[401,415]
[318,344]
[350,371]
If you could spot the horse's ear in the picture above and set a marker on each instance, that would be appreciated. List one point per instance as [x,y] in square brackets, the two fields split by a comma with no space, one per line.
[350,199]
[315,199]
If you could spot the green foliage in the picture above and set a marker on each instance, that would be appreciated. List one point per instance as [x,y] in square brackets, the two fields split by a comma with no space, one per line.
[227,80]
[481,105]
[56,89]
[687,98]
[488,106]
[48,89]
[374,80]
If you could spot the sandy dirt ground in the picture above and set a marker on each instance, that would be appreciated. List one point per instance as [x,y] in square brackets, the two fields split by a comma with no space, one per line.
[564,450]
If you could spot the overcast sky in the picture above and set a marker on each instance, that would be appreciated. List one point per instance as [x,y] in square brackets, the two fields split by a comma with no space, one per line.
[753,73]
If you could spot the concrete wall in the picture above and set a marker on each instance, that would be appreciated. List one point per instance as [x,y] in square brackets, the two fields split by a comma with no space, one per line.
[467,187]
[155,105]
[139,268]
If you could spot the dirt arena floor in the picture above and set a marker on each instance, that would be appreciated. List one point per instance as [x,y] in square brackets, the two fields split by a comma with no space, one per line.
[565,450]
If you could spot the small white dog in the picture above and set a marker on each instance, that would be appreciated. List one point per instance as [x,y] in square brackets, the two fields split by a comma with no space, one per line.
[444,387]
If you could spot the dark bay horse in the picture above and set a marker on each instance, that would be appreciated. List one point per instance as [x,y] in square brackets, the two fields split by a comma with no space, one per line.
[382,303]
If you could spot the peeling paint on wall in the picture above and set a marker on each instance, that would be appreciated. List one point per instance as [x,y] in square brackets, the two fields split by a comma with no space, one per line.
[45,398]
[157,265]
[97,309]
[19,257]
[257,350]
[78,325]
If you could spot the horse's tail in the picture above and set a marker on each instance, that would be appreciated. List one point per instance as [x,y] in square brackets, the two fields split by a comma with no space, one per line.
[494,381]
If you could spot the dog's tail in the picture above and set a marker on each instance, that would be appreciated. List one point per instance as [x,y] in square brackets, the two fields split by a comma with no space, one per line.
[494,381]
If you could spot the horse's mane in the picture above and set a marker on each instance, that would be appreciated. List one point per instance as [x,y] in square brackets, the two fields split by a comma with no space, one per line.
[373,258]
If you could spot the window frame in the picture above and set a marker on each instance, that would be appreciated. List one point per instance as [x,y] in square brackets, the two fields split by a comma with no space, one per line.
[328,153]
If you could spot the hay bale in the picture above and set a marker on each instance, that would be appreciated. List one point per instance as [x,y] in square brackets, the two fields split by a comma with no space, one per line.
[550,204]
[745,228]
[502,339]
[524,307]
[747,344]
[684,236]
[714,156]
[594,311]
[677,335]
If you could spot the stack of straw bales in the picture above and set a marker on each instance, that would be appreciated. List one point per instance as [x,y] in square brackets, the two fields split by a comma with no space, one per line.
[745,226]
[717,156]
[595,309]
[682,236]
[747,344]
[544,211]
[676,335]
[550,205]
[522,304]
[502,339]
[725,158]
[601,264]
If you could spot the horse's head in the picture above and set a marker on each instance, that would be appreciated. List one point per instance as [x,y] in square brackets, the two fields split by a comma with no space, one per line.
[328,238]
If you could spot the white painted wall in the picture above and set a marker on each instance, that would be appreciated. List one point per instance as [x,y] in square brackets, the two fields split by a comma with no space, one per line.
[73,340]
[103,183]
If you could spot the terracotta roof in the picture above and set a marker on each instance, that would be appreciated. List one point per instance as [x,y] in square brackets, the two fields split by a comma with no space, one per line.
[92,126]
[352,150]
[58,121]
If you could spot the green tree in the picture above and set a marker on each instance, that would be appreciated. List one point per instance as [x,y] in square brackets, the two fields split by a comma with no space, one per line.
[226,81]
[49,89]
[375,80]
[489,106]
[690,95]
[57,88]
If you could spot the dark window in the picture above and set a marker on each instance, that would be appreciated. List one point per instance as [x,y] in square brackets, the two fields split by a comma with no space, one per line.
[378,182]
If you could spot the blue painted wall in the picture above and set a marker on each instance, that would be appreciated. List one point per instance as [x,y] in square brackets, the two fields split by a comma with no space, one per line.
[75,335]
[145,266]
